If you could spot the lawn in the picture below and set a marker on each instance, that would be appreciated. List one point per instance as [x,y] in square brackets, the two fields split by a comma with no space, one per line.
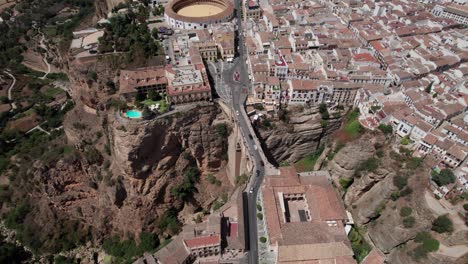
[50,31]
[162,104]
[52,91]
[307,163]
[353,128]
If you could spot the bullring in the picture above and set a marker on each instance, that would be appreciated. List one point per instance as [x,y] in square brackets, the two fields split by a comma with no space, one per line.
[198,14]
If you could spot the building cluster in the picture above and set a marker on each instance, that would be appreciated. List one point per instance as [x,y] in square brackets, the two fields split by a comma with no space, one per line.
[218,239]
[179,83]
[401,62]
[323,51]
[184,79]
[305,218]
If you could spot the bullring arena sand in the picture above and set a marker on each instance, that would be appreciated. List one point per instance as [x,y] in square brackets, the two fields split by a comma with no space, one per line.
[200,10]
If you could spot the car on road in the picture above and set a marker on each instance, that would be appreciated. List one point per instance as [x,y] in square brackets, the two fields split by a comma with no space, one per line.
[251,189]
[255,147]
[250,136]
[257,173]
[237,112]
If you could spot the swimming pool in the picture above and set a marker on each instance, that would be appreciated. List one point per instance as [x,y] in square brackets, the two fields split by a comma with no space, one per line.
[133,114]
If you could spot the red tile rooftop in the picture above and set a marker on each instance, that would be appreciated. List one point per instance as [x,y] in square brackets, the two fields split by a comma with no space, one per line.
[374,257]
[364,57]
[205,241]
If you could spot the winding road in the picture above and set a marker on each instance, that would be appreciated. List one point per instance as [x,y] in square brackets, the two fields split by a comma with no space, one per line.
[44,46]
[10,97]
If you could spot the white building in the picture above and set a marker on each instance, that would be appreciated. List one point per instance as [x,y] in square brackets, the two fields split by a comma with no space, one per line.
[458,13]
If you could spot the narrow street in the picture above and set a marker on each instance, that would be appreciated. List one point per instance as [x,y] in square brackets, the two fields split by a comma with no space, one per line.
[239,88]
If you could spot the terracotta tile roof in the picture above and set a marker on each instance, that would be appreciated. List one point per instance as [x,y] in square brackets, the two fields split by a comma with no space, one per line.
[431,139]
[129,80]
[174,253]
[313,240]
[205,241]
[323,251]
[374,257]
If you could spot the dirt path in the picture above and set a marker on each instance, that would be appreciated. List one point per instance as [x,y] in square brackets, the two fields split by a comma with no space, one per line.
[44,46]
[454,251]
[10,97]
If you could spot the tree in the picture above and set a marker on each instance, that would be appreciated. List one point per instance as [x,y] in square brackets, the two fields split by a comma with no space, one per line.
[154,33]
[405,211]
[222,130]
[148,241]
[147,113]
[140,96]
[386,129]
[427,244]
[322,108]
[429,88]
[408,222]
[442,224]
[400,181]
[405,141]
[445,177]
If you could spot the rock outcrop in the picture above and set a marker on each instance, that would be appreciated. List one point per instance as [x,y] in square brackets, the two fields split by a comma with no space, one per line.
[351,155]
[300,135]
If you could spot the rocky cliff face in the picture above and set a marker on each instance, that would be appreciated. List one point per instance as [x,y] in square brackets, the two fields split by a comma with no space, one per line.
[152,158]
[291,140]
[351,155]
[372,201]
[95,198]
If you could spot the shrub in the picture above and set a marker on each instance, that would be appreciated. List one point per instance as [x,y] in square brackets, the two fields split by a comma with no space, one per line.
[211,179]
[182,191]
[260,216]
[216,205]
[405,211]
[445,177]
[359,245]
[379,153]
[169,222]
[404,141]
[408,222]
[241,179]
[394,196]
[222,130]
[465,206]
[406,191]
[386,129]
[428,244]
[442,224]
[148,241]
[263,239]
[414,163]
[259,207]
[400,182]
[14,219]
[346,182]
[92,155]
[369,165]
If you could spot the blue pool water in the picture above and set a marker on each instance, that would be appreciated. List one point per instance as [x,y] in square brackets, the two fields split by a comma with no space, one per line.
[133,114]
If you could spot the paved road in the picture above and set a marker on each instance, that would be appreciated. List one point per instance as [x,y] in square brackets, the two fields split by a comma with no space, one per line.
[10,97]
[239,90]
